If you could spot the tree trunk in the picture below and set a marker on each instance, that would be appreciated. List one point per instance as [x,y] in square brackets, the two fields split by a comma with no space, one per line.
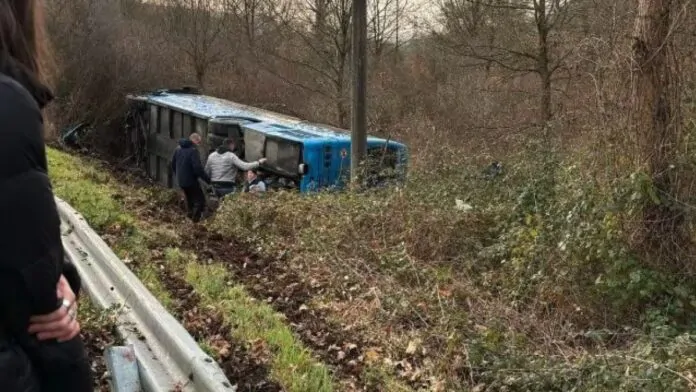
[320,16]
[341,99]
[656,102]
[342,113]
[200,69]
[543,62]
[545,99]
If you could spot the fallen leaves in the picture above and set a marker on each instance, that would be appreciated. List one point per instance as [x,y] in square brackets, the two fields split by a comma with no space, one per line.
[220,345]
[372,355]
[412,347]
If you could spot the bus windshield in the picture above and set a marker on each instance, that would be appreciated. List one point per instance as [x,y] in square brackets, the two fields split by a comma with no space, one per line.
[283,156]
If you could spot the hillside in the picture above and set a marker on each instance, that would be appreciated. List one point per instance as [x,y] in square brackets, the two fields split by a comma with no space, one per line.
[571,271]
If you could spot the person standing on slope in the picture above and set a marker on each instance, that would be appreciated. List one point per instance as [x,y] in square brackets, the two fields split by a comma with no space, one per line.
[223,165]
[188,169]
[40,345]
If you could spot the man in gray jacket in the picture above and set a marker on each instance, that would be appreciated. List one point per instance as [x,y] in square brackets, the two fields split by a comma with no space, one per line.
[223,165]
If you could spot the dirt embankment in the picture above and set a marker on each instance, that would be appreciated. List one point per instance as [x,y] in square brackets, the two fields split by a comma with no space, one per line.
[242,366]
[267,280]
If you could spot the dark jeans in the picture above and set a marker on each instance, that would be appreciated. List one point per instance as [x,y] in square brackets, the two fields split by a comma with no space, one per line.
[195,202]
[17,374]
[55,367]
[222,190]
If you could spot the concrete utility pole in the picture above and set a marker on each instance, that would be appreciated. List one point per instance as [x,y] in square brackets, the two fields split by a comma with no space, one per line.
[358,149]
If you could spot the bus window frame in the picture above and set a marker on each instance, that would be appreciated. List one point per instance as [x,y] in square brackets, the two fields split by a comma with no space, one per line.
[297,176]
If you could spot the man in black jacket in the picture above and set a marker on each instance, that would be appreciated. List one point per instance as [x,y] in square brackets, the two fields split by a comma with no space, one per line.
[188,169]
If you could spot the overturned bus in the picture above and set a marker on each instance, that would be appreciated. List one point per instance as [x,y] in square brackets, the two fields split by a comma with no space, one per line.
[300,155]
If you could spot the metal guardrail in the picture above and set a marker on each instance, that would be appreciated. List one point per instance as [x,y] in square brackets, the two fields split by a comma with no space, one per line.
[169,359]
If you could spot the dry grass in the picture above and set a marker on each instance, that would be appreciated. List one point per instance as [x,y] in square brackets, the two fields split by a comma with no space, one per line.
[537,266]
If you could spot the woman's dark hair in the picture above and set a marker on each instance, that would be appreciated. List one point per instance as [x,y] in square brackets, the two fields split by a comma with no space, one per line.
[22,35]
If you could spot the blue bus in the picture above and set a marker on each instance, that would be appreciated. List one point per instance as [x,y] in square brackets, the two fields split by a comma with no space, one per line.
[300,155]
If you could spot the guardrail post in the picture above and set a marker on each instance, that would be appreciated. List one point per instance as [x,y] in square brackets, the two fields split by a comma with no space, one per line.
[123,369]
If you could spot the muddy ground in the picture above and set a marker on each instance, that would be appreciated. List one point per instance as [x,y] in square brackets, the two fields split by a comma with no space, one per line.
[245,368]
[287,293]
[267,279]
[98,334]
[96,340]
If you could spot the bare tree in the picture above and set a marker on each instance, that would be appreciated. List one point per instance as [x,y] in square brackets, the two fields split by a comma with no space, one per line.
[385,22]
[657,101]
[247,13]
[464,18]
[195,27]
[318,42]
[253,18]
[515,35]
[320,9]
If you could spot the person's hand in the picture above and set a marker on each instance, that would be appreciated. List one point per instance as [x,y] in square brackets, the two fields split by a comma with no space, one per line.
[61,324]
[262,161]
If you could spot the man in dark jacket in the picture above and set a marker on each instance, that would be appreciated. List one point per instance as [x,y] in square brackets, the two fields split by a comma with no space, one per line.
[188,169]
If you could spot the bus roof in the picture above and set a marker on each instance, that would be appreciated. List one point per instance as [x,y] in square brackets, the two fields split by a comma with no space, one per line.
[208,107]
[282,125]
[308,133]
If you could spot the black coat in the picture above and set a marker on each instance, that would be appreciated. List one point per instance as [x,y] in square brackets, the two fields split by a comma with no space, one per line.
[187,166]
[31,251]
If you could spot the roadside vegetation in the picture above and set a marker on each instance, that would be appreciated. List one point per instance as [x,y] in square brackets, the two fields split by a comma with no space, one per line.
[468,282]
[571,270]
[149,248]
[526,281]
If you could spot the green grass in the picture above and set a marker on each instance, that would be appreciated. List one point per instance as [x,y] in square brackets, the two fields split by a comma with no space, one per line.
[99,321]
[293,365]
[149,276]
[86,188]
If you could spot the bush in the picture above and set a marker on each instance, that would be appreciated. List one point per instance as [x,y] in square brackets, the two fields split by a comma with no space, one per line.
[551,239]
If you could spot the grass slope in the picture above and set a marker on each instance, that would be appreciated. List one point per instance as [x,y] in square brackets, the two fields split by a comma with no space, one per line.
[92,192]
[524,282]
